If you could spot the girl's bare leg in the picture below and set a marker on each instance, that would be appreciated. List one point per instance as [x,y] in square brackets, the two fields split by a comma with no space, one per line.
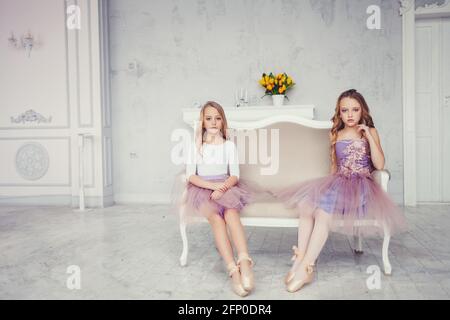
[319,236]
[224,247]
[223,244]
[305,229]
[239,238]
[237,231]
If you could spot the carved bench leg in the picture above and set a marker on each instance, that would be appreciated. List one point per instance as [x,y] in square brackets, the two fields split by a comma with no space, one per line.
[184,254]
[357,241]
[385,252]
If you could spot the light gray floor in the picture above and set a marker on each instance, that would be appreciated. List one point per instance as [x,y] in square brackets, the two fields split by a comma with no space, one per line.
[132,252]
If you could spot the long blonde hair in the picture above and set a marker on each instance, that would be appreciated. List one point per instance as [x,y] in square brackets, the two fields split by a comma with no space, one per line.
[338,124]
[201,130]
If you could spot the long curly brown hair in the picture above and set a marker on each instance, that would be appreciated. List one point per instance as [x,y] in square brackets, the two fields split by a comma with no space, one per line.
[338,124]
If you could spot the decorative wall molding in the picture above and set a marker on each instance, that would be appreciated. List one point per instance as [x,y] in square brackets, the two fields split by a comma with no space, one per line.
[105,66]
[40,184]
[32,161]
[92,159]
[107,162]
[31,116]
[409,103]
[84,57]
[433,5]
[405,6]
[67,104]
[87,79]
[434,10]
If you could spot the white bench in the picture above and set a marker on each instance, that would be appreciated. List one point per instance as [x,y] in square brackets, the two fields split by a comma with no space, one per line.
[304,154]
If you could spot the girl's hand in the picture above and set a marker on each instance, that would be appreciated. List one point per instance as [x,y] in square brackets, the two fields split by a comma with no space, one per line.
[220,186]
[216,195]
[225,187]
[365,130]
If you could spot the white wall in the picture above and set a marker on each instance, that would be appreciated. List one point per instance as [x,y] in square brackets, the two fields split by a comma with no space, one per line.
[197,50]
[59,81]
[188,51]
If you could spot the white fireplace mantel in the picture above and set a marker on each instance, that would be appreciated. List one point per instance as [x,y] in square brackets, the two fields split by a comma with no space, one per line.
[250,118]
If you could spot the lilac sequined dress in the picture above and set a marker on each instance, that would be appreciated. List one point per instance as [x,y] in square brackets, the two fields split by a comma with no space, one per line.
[350,194]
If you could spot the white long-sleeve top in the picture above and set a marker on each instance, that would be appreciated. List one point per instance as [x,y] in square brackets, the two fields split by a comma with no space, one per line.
[215,160]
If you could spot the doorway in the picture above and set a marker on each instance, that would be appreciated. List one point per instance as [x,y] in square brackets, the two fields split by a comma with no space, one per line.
[432,110]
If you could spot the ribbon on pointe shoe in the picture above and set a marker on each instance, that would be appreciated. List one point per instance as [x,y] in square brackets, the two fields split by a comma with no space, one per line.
[298,284]
[296,253]
[247,279]
[245,257]
[237,287]
[310,268]
[232,268]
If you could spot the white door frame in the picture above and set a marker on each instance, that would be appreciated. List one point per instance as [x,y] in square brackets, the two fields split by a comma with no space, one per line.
[409,15]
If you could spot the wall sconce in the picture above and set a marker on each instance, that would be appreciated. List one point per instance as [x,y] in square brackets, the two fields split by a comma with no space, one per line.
[12,40]
[26,42]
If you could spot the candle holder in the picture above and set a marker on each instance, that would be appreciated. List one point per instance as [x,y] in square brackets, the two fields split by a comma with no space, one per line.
[241,97]
[12,40]
[27,42]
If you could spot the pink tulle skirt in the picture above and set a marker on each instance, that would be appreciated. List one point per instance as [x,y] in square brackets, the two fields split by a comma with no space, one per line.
[197,202]
[349,199]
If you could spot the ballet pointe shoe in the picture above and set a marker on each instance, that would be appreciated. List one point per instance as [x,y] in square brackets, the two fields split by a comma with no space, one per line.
[291,273]
[237,287]
[247,279]
[296,285]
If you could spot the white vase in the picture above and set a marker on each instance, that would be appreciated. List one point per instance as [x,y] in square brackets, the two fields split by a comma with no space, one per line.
[278,100]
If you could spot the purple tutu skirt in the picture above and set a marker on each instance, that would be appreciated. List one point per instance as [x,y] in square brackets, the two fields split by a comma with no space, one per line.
[197,202]
[348,199]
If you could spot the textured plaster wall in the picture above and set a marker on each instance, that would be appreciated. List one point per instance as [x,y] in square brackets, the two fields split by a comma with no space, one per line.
[192,51]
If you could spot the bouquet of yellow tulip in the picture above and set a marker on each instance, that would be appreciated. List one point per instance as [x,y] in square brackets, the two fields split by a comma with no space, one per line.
[278,84]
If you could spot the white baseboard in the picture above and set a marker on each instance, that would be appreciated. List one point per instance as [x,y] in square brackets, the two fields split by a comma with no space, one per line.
[152,198]
[56,200]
